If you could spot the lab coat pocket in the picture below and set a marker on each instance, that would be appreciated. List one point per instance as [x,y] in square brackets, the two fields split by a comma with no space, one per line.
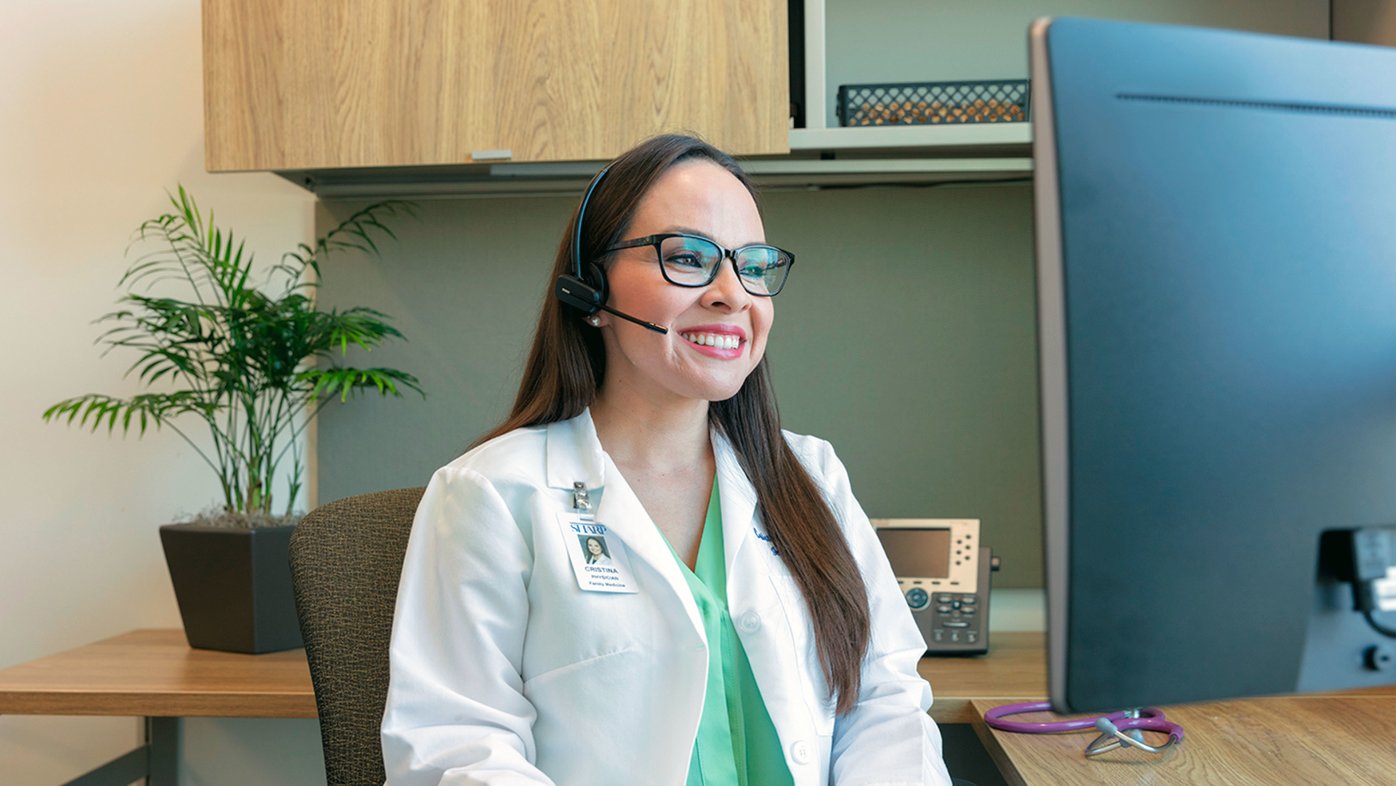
[587,711]
[801,628]
[590,687]
[597,664]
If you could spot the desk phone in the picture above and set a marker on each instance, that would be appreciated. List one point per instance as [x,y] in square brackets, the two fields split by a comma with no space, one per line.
[943,573]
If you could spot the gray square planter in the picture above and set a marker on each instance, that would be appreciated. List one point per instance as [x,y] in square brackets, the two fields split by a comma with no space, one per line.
[233,586]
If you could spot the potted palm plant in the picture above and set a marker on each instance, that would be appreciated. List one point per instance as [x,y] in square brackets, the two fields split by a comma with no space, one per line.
[252,364]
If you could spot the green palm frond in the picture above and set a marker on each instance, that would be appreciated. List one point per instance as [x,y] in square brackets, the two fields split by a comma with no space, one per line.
[95,410]
[345,381]
[249,362]
[354,233]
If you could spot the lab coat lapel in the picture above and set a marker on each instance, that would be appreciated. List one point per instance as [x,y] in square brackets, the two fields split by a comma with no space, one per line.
[575,453]
[737,499]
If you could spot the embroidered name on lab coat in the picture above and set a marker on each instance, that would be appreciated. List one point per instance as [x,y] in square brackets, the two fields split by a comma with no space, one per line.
[599,559]
[764,538]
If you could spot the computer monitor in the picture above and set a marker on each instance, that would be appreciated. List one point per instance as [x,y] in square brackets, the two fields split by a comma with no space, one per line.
[1216,264]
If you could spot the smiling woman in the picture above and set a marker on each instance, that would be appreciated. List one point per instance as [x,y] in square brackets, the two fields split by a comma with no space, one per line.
[718,329]
[748,628]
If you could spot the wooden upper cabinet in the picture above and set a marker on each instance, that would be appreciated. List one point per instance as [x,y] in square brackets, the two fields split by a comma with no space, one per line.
[325,84]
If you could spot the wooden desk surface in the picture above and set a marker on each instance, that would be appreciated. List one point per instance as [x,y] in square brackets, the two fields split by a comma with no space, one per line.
[1014,670]
[1325,739]
[1302,739]
[156,673]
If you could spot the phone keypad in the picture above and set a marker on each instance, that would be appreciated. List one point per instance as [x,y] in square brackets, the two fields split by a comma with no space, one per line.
[954,617]
[955,612]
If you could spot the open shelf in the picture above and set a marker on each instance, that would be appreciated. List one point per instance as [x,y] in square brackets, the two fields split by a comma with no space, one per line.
[1009,140]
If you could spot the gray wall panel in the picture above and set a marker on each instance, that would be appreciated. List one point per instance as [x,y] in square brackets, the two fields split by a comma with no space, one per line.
[905,338]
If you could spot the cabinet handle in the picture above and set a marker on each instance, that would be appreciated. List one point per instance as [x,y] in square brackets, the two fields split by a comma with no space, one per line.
[503,154]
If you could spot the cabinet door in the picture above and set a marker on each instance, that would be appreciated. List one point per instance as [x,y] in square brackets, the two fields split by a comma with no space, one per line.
[312,84]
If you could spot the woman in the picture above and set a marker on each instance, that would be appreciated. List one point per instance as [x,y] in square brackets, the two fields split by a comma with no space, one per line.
[596,553]
[753,633]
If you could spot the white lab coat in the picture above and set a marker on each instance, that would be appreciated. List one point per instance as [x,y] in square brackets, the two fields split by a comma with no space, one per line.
[504,671]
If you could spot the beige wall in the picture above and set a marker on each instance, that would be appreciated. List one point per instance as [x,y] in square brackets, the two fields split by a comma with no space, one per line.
[100,111]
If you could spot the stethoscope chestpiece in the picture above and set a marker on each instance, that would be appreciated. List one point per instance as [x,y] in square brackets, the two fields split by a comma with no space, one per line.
[1112,737]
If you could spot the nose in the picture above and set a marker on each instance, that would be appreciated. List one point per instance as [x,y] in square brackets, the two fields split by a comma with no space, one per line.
[726,291]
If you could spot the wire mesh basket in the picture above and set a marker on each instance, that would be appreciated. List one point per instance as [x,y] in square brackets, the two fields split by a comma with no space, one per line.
[926,103]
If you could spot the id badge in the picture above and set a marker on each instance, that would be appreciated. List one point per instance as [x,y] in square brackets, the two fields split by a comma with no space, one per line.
[598,557]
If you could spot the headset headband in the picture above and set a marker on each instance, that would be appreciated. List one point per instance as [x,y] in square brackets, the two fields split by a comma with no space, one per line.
[577,228]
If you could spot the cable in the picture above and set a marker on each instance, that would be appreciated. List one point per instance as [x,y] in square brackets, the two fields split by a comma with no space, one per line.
[1377,626]
[1001,181]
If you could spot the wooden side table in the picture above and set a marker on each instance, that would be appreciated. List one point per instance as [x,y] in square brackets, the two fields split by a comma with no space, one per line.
[155,674]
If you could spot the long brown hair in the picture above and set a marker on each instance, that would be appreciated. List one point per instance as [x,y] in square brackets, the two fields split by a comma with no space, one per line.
[568,362]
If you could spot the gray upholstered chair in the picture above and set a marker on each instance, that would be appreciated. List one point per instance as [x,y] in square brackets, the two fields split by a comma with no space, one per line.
[346,557]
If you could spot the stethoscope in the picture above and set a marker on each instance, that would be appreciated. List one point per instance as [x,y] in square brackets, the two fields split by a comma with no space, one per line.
[1117,730]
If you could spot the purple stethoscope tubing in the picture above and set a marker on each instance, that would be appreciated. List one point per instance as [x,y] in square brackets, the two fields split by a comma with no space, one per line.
[1148,719]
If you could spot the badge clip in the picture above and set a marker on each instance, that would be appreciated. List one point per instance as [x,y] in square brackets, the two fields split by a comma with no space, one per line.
[581,498]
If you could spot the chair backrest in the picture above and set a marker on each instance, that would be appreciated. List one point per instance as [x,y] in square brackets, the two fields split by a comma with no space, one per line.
[346,558]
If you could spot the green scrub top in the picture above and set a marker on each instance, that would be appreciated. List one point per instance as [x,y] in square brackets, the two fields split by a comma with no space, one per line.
[737,743]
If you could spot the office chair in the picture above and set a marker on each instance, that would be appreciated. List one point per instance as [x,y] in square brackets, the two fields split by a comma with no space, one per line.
[346,557]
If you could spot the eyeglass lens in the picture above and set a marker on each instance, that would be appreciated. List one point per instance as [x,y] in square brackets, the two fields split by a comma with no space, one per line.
[691,261]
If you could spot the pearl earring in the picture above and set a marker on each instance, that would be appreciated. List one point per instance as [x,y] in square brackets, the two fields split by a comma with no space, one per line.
[594,321]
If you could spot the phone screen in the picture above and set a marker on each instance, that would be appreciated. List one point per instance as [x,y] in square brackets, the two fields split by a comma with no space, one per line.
[917,553]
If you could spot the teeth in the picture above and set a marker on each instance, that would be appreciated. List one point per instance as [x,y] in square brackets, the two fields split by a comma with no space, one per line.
[713,340]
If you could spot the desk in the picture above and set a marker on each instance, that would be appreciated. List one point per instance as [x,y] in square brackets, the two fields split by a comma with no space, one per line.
[155,674]
[1014,670]
[1283,740]
[1333,738]
[1300,739]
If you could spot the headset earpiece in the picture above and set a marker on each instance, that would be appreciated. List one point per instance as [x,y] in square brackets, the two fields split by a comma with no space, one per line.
[578,294]
[598,282]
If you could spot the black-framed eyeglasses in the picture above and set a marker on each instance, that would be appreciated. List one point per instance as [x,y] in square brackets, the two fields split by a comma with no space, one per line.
[692,261]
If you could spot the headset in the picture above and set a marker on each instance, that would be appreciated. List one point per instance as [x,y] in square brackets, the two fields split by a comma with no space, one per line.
[574,289]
